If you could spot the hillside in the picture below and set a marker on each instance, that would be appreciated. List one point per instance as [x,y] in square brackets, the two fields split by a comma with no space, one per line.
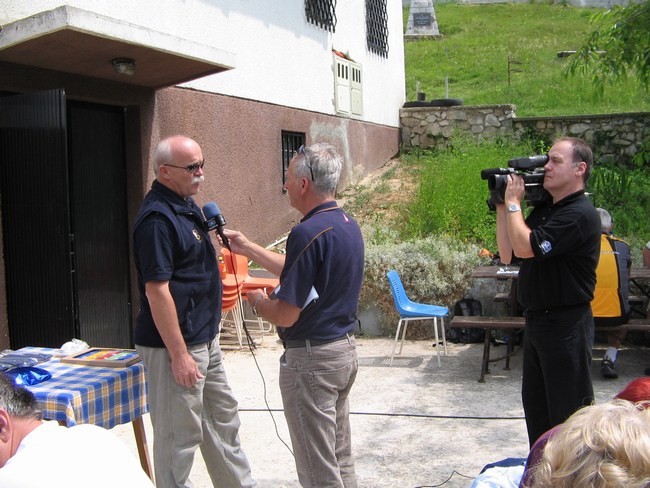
[508,53]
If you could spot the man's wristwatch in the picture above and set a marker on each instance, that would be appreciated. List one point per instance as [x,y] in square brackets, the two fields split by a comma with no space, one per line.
[514,208]
[254,305]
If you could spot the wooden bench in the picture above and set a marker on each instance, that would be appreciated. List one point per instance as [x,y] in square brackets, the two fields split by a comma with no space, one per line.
[514,323]
[632,324]
[488,324]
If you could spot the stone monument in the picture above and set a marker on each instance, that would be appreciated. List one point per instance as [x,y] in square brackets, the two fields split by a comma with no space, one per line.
[422,23]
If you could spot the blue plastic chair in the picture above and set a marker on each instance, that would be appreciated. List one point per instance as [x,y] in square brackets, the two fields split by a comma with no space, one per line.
[410,311]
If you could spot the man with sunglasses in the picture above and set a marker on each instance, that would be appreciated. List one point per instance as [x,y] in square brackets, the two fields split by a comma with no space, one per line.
[315,310]
[191,403]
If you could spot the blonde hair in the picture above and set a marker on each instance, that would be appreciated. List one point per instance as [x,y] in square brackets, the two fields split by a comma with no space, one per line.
[599,446]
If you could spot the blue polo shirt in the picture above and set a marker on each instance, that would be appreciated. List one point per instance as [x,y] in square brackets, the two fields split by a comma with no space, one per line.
[171,243]
[325,251]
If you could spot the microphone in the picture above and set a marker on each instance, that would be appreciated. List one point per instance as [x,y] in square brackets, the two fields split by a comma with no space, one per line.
[214,220]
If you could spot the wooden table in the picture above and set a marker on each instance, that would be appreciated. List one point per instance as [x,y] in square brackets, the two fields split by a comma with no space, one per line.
[496,272]
[502,273]
[508,272]
[499,273]
[640,277]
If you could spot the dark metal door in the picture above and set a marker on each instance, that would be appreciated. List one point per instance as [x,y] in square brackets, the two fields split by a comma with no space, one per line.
[99,223]
[35,219]
[64,221]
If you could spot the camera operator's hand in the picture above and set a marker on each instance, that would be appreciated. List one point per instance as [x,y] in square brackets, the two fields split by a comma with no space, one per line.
[515,189]
[513,235]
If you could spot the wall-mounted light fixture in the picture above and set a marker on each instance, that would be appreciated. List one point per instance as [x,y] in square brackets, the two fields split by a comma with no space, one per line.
[124,66]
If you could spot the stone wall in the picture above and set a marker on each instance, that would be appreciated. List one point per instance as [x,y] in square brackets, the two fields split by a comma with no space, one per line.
[431,126]
[614,137]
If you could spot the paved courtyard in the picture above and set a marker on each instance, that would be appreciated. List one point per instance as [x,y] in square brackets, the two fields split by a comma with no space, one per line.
[414,424]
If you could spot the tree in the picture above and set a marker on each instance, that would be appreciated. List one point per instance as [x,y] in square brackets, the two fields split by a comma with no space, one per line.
[618,48]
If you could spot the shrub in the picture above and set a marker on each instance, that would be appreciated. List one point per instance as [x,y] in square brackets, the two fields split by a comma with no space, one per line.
[435,269]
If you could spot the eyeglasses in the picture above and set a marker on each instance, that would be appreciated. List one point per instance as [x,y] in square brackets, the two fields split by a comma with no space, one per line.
[301,150]
[190,168]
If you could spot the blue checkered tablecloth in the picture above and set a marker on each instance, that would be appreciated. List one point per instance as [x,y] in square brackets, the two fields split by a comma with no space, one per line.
[89,394]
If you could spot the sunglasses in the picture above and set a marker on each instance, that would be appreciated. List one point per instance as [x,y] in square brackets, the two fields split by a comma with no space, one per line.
[190,168]
[301,150]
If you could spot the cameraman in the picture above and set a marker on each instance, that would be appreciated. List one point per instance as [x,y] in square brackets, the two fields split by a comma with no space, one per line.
[559,244]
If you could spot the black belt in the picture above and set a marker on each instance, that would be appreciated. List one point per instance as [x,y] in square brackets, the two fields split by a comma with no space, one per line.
[313,342]
[560,309]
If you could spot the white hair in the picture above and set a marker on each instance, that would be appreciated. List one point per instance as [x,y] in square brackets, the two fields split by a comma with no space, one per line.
[605,220]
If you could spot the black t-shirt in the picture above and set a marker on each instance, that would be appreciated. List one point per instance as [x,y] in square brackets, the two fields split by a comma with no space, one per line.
[565,239]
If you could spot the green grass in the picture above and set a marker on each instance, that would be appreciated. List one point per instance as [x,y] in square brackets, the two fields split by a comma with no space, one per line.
[452,196]
[473,56]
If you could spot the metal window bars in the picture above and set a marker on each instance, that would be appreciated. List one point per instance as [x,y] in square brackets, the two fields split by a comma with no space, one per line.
[321,13]
[377,27]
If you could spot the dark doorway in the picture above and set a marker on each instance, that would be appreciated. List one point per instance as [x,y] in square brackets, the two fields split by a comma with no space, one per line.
[64,217]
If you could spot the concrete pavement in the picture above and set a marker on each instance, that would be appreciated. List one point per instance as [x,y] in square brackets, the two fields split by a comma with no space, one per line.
[414,424]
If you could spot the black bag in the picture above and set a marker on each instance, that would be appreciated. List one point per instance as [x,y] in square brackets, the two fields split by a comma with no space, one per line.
[466,306]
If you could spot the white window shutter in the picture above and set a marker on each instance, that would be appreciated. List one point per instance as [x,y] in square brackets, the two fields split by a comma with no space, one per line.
[356,94]
[342,85]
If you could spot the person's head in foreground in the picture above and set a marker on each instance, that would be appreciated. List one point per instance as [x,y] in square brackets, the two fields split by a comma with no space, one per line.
[19,415]
[606,445]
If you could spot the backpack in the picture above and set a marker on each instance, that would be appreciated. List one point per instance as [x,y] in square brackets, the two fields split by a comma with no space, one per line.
[466,306]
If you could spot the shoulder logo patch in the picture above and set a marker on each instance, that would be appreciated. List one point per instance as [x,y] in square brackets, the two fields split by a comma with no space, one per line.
[546,247]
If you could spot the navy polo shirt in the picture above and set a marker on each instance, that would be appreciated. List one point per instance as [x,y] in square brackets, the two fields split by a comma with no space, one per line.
[171,243]
[325,251]
[565,239]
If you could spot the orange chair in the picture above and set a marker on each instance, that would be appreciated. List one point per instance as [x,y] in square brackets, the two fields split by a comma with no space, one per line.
[239,265]
[237,270]
[231,306]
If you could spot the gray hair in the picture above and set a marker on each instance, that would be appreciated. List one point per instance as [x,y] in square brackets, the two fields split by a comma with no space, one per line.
[605,220]
[18,401]
[162,154]
[325,164]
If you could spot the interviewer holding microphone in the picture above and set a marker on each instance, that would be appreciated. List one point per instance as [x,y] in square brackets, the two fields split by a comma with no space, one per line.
[191,403]
[315,312]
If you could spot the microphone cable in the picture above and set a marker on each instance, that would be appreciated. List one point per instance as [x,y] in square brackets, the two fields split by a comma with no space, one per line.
[251,347]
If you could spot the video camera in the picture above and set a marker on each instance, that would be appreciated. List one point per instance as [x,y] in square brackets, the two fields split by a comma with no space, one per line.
[532,170]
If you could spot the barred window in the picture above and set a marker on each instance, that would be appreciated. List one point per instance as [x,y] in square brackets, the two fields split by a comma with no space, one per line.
[321,13]
[291,142]
[377,27]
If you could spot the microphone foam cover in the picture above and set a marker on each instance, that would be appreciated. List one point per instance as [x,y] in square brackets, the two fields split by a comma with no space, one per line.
[211,210]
